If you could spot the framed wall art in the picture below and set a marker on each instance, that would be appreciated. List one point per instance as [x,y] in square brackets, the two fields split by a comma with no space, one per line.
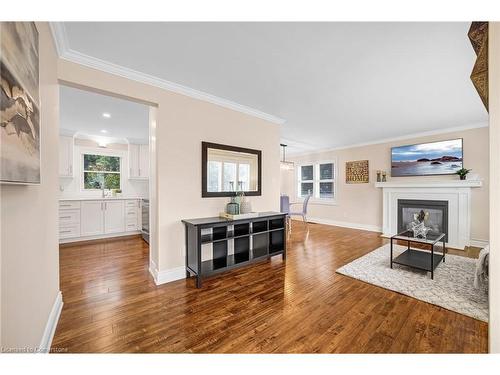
[357,172]
[19,104]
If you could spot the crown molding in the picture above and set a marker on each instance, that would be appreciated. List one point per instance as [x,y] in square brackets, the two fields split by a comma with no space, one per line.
[65,53]
[395,139]
[59,35]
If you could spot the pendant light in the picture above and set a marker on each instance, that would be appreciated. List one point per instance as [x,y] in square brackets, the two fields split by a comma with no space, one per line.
[286,165]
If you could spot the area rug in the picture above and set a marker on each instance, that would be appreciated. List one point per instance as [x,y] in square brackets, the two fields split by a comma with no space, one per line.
[452,287]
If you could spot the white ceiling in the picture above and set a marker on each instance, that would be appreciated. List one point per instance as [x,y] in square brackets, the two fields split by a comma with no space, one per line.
[81,112]
[335,84]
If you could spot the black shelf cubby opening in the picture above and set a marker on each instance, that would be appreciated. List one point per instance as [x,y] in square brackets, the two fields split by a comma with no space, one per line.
[219,250]
[219,233]
[241,229]
[259,226]
[276,224]
[259,245]
[217,263]
[241,249]
[276,241]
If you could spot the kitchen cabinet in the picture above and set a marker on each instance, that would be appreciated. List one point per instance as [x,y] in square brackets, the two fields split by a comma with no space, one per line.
[114,217]
[133,160]
[92,218]
[138,161]
[132,217]
[144,161]
[65,156]
[69,219]
[98,218]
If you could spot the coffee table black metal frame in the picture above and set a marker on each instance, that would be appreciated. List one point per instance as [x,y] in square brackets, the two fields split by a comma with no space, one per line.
[415,258]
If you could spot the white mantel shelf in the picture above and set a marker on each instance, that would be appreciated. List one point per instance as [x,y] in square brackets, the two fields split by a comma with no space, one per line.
[431,184]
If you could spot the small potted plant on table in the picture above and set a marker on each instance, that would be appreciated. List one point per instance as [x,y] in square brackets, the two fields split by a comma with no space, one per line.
[463,173]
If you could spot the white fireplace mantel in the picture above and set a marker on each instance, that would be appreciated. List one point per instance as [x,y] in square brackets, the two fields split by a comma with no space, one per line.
[431,184]
[456,192]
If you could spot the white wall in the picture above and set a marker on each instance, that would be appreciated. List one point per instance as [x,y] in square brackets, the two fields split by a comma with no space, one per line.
[72,187]
[494,105]
[182,124]
[29,234]
[361,204]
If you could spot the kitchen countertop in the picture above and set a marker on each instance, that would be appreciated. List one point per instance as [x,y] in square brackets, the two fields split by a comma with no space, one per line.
[99,198]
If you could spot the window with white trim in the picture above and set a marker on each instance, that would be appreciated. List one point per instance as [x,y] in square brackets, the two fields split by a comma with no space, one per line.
[318,180]
[101,171]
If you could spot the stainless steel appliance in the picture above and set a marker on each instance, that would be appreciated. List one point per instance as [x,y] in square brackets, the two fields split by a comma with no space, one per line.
[145,220]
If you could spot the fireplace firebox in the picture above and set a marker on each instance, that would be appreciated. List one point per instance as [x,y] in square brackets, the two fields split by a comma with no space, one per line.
[437,218]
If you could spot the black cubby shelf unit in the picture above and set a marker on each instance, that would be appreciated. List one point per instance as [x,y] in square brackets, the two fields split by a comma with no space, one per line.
[253,240]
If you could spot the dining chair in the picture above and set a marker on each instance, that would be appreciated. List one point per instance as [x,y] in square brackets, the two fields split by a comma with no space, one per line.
[302,213]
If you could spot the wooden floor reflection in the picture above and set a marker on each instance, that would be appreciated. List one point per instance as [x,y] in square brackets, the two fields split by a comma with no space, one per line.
[111,304]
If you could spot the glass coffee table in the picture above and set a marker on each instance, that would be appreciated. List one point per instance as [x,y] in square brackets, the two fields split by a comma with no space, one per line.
[419,258]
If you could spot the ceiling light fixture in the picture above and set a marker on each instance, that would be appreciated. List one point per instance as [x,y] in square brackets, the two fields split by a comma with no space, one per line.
[106,115]
[104,131]
[286,165]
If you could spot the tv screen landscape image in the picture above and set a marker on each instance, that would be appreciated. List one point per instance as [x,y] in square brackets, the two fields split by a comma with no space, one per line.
[427,159]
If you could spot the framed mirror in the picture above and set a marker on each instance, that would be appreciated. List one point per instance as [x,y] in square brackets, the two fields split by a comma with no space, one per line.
[226,170]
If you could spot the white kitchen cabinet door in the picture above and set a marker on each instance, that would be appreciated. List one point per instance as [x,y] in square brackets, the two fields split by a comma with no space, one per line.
[65,156]
[133,160]
[114,217]
[144,161]
[92,218]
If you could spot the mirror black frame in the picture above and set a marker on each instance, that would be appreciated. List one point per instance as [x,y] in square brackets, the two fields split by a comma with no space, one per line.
[204,158]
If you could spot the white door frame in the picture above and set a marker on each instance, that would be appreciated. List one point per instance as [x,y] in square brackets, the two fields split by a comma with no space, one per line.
[153,198]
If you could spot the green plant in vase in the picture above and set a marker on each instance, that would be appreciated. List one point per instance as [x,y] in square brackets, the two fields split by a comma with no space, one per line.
[462,172]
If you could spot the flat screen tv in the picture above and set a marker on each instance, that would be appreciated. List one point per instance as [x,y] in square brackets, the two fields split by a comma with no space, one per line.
[427,159]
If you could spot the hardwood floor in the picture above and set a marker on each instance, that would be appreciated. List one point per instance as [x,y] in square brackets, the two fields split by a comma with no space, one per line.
[111,304]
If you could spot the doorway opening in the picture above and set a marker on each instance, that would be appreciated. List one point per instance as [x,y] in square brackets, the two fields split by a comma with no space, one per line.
[107,169]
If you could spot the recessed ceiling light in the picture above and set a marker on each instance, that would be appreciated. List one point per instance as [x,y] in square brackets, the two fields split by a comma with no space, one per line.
[104,131]
[106,115]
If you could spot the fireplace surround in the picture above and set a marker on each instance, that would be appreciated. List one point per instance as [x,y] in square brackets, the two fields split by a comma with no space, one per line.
[456,193]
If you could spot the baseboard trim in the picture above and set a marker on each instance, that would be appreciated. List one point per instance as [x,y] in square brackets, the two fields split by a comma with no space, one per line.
[345,224]
[50,327]
[79,240]
[153,270]
[166,276]
[478,243]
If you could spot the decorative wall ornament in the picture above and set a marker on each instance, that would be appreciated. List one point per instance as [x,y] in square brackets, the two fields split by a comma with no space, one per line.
[478,36]
[357,172]
[19,103]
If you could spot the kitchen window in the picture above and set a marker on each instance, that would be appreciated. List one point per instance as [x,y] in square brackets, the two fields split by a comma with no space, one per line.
[317,179]
[101,171]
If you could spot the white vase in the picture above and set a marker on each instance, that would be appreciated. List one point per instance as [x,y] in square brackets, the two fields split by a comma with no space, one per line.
[245,207]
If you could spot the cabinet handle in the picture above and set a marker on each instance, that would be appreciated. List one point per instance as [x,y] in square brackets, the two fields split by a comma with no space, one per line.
[130,175]
[70,169]
[65,217]
[105,205]
[65,205]
[139,171]
[64,231]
